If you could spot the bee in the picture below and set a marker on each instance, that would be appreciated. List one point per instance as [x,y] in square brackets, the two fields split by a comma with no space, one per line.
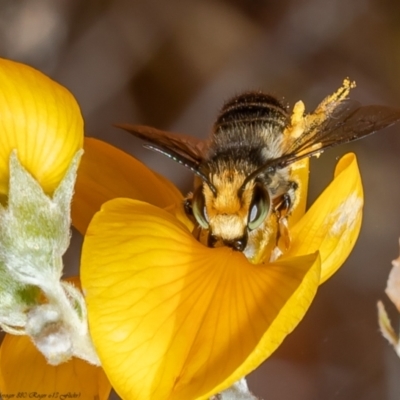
[244,187]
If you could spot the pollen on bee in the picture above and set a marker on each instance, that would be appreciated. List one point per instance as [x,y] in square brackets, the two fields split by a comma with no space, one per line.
[297,121]
[301,122]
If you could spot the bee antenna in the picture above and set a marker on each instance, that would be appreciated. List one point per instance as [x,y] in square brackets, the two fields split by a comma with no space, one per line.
[266,168]
[193,166]
[278,163]
[210,185]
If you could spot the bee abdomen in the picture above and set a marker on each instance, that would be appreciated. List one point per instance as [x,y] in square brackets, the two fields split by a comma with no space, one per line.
[252,109]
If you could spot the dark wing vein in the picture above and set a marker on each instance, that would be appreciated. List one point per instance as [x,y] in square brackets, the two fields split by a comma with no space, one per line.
[181,147]
[351,122]
[348,123]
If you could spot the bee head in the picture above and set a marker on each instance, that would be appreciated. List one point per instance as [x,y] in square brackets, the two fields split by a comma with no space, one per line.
[230,211]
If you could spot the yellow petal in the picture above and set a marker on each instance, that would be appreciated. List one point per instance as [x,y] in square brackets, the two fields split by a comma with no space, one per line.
[24,370]
[300,173]
[172,319]
[40,119]
[331,226]
[106,173]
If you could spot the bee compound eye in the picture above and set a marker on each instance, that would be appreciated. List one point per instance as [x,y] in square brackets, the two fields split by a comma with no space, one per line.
[199,208]
[259,207]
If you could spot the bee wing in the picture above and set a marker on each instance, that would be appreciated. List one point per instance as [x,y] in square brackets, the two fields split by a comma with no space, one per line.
[349,122]
[184,149]
[315,132]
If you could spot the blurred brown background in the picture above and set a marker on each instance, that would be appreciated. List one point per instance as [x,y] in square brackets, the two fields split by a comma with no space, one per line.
[172,63]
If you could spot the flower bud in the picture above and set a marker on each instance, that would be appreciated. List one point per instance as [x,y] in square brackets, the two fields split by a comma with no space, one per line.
[41,120]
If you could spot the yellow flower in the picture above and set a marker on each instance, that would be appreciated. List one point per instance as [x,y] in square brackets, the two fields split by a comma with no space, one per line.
[173,319]
[41,120]
[26,371]
[23,369]
[116,175]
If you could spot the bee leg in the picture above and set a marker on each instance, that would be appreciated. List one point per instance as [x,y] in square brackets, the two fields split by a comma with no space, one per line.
[187,205]
[283,239]
[203,236]
[197,232]
[284,235]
